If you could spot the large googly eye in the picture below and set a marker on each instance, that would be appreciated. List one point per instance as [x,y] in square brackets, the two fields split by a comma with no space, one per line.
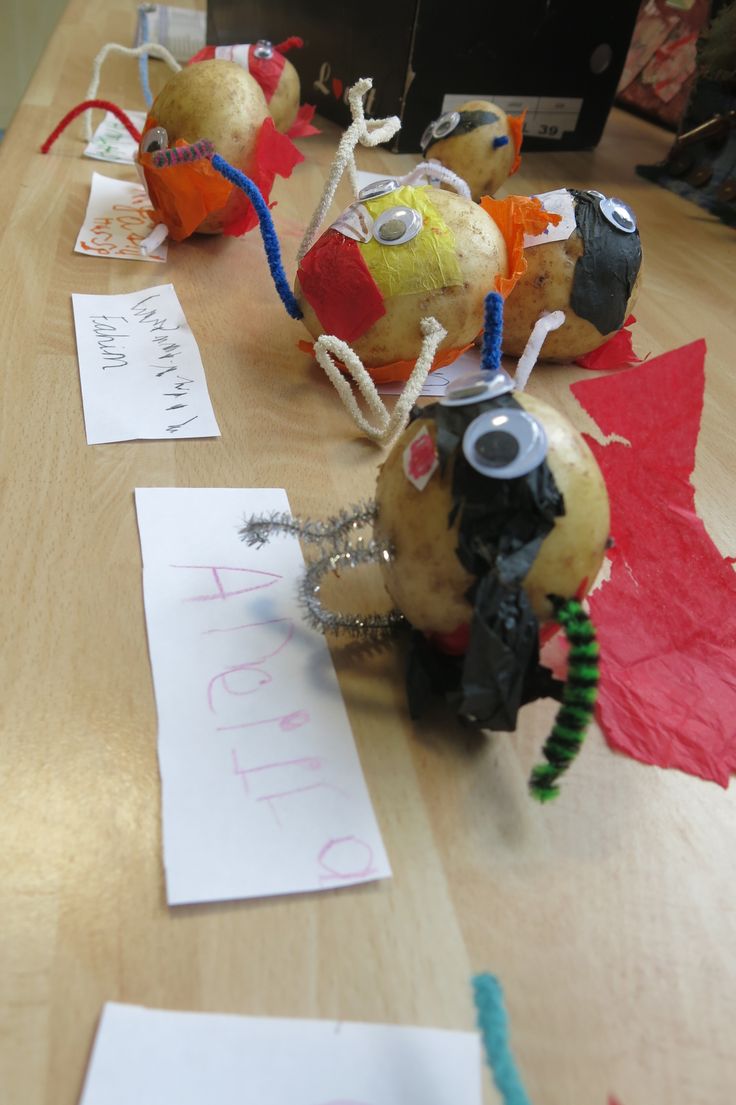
[397,225]
[505,443]
[477,387]
[378,188]
[619,214]
[154,139]
[263,49]
[440,128]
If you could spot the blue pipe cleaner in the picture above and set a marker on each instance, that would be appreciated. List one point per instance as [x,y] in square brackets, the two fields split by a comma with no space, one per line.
[493,1024]
[500,140]
[268,232]
[143,59]
[490,358]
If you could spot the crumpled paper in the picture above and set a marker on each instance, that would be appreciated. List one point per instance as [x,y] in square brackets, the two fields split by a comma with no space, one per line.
[666,619]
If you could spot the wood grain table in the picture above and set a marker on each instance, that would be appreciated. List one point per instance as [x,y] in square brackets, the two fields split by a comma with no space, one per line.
[609,916]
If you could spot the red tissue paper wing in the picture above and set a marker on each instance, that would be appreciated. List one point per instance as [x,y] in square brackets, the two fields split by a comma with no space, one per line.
[666,618]
[617,352]
[275,155]
[302,125]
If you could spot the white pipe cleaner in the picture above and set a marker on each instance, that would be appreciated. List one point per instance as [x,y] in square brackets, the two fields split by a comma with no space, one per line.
[547,321]
[388,425]
[153,49]
[367,132]
[432,172]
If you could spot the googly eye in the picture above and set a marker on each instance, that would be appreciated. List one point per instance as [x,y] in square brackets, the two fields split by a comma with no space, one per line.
[439,128]
[505,443]
[263,49]
[154,139]
[397,225]
[619,214]
[446,124]
[477,387]
[378,188]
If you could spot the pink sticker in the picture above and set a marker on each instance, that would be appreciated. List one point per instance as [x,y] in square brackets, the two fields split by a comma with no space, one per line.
[420,460]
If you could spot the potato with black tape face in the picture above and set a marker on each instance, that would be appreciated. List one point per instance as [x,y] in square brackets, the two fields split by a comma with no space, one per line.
[417,515]
[592,275]
[478,142]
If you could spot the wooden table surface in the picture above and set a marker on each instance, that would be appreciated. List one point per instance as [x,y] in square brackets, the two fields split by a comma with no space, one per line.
[609,916]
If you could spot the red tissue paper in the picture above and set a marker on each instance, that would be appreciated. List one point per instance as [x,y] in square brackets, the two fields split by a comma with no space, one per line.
[666,618]
[617,352]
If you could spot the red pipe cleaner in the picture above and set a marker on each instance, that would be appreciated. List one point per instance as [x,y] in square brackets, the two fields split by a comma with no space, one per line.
[289,44]
[70,116]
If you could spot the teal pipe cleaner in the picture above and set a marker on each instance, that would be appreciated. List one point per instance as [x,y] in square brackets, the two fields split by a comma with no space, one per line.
[494,1028]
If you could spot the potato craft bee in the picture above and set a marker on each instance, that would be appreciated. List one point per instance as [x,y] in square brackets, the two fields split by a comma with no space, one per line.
[404,252]
[216,101]
[587,266]
[479,142]
[490,521]
[278,79]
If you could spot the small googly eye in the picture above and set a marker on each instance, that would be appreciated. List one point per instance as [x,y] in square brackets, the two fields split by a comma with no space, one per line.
[397,225]
[445,124]
[505,444]
[378,188]
[154,139]
[619,214]
[477,387]
[263,49]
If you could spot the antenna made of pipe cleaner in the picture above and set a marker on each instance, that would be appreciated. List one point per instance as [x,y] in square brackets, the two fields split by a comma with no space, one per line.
[490,357]
[143,52]
[268,232]
[493,1024]
[85,105]
[578,699]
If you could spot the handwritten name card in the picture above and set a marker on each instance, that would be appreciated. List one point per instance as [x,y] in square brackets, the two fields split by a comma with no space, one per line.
[117,221]
[141,373]
[153,1055]
[262,789]
[112,142]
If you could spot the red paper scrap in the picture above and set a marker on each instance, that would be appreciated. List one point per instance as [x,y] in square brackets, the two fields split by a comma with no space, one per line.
[617,352]
[666,618]
[339,288]
[302,126]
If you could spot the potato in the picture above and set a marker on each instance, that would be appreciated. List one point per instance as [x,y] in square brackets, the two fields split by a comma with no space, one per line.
[284,104]
[425,578]
[471,152]
[217,100]
[548,285]
[481,255]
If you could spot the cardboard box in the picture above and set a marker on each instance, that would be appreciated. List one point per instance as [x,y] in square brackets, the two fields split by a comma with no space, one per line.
[559,59]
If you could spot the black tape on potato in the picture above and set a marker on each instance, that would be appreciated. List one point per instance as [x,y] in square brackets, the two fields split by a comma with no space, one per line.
[469,120]
[503,523]
[605,274]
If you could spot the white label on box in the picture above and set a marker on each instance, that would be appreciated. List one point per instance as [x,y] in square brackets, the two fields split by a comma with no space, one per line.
[546,116]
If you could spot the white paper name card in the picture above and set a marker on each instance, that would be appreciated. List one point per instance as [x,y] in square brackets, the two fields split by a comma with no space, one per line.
[112,141]
[155,1057]
[117,220]
[262,789]
[141,373]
